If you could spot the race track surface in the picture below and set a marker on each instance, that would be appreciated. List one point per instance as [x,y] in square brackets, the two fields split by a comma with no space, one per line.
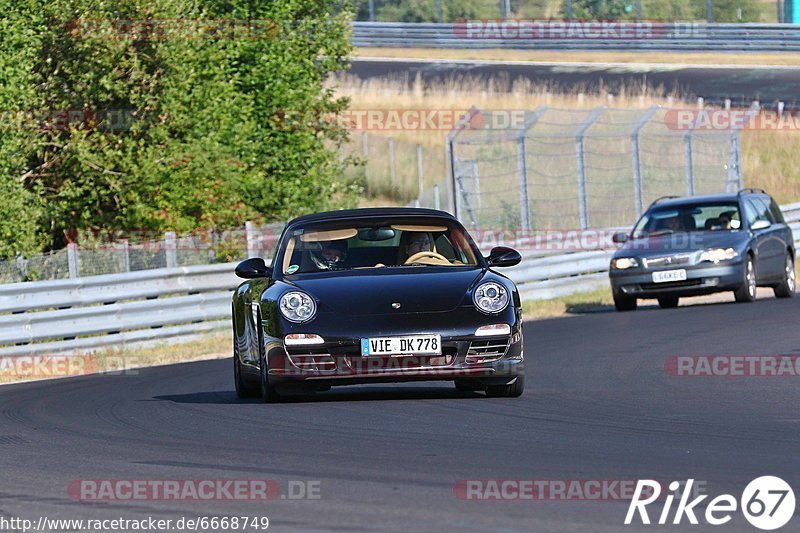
[742,84]
[598,406]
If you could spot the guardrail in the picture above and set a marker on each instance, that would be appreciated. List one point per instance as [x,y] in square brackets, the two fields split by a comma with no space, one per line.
[156,305]
[666,37]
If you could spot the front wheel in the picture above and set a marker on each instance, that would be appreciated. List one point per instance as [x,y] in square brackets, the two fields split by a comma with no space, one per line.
[747,292]
[514,390]
[268,393]
[786,287]
[668,302]
[625,303]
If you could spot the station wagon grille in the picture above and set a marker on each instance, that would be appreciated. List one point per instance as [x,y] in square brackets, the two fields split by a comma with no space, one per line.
[666,260]
[487,350]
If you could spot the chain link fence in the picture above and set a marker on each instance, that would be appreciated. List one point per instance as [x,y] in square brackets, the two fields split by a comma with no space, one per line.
[114,256]
[583,168]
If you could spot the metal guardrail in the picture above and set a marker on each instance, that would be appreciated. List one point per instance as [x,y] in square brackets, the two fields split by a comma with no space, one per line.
[668,37]
[48,317]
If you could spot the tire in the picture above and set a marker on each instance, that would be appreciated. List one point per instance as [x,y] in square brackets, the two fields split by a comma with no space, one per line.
[244,389]
[464,385]
[787,285]
[514,390]
[625,303]
[747,292]
[668,302]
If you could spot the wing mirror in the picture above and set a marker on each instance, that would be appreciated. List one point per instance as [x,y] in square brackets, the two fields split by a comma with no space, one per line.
[760,224]
[501,256]
[619,237]
[255,267]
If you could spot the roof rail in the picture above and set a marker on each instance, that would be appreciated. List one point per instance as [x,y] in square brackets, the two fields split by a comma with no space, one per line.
[662,198]
[752,190]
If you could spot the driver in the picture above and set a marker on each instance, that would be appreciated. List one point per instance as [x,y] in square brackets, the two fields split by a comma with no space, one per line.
[418,242]
[332,255]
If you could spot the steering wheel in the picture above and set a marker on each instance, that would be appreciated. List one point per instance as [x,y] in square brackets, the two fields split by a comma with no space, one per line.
[419,255]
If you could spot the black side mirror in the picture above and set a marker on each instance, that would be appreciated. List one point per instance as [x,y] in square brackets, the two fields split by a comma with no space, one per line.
[255,267]
[501,256]
[619,237]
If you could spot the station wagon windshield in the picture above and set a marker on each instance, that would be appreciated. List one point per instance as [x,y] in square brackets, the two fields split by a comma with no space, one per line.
[717,216]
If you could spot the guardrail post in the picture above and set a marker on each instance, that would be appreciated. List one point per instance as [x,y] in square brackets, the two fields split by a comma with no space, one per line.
[638,185]
[583,204]
[171,249]
[72,260]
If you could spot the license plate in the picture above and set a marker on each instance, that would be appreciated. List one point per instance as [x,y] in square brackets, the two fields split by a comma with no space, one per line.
[669,275]
[407,345]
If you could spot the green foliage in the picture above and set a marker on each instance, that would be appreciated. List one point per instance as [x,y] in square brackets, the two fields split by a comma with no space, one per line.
[197,143]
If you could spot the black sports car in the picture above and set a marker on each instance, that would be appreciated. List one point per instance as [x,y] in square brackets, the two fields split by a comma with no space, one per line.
[377,295]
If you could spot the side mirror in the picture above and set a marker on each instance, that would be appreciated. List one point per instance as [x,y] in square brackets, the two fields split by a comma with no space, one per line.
[255,267]
[760,224]
[501,256]
[619,237]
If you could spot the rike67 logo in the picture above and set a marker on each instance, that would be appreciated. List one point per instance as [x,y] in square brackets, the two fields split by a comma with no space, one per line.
[767,503]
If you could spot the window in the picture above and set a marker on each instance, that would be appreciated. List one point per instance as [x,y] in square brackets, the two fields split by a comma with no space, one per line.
[716,216]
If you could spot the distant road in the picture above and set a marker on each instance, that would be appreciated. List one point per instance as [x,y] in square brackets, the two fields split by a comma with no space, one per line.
[742,84]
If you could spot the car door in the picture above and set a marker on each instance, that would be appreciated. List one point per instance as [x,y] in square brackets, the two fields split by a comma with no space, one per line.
[767,244]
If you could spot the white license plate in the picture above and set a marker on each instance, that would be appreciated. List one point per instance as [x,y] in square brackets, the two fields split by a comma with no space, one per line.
[405,345]
[669,275]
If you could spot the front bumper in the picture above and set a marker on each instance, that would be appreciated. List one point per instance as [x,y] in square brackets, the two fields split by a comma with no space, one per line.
[700,279]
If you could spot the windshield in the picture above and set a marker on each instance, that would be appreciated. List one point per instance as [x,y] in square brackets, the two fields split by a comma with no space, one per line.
[350,245]
[717,216]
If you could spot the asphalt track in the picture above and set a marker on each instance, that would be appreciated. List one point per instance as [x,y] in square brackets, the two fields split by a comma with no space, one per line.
[742,84]
[598,405]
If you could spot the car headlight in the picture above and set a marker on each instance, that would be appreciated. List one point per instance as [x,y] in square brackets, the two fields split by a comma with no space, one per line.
[297,306]
[715,255]
[624,263]
[490,297]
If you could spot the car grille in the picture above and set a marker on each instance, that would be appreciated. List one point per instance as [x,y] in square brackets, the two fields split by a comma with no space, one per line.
[671,284]
[484,351]
[666,260]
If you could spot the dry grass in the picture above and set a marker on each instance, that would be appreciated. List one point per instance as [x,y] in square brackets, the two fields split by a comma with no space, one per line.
[768,157]
[574,304]
[124,361]
[578,56]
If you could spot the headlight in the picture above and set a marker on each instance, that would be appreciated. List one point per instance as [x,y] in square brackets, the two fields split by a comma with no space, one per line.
[297,306]
[624,263]
[715,255]
[490,297]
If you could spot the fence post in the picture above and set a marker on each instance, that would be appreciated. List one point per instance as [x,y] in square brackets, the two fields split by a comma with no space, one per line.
[437,200]
[734,178]
[638,185]
[583,204]
[688,160]
[72,260]
[365,147]
[171,249]
[522,170]
[391,163]
[420,184]
[126,255]
[450,158]
[251,239]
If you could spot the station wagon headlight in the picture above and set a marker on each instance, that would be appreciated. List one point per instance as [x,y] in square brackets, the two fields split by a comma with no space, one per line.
[297,306]
[490,297]
[715,255]
[624,263]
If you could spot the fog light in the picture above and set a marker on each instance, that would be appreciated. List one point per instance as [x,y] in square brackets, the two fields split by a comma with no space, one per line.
[494,329]
[303,339]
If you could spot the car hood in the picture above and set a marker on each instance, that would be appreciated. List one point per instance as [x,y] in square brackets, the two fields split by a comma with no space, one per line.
[416,289]
[678,243]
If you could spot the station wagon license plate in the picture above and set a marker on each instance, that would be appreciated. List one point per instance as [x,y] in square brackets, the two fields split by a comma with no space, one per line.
[669,275]
[406,345]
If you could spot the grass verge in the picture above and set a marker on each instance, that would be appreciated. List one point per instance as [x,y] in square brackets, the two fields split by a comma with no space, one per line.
[755,59]
[574,304]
